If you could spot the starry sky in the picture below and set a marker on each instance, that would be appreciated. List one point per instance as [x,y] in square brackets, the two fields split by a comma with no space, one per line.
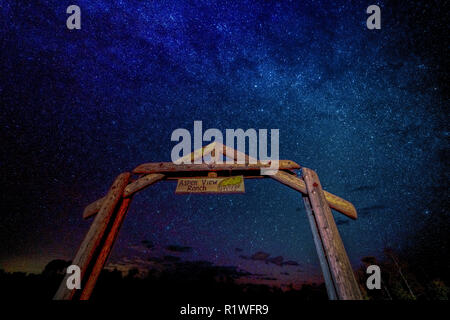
[364,108]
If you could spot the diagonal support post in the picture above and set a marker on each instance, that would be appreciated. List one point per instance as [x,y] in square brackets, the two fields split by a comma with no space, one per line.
[337,266]
[106,248]
[91,245]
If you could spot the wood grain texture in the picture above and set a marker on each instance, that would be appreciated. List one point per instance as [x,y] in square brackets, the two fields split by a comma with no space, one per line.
[234,154]
[341,270]
[105,251]
[142,183]
[130,189]
[331,290]
[337,203]
[95,234]
[161,167]
[93,208]
[197,155]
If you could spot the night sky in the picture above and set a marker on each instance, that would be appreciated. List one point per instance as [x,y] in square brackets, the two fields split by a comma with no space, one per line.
[366,109]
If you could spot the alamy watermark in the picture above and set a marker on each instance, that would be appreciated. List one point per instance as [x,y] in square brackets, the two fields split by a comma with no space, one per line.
[257,146]
[74,280]
[374,280]
[374,20]
[74,20]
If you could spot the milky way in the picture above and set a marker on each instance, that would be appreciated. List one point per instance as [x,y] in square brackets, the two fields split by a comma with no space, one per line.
[364,108]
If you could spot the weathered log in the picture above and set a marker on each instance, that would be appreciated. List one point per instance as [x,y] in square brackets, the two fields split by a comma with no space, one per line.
[142,183]
[211,149]
[107,245]
[131,189]
[235,154]
[326,272]
[198,154]
[92,208]
[159,167]
[93,238]
[341,270]
[343,206]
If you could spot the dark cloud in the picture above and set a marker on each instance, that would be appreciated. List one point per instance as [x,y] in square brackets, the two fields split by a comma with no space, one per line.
[260,255]
[201,269]
[148,244]
[155,259]
[268,278]
[369,260]
[264,257]
[276,260]
[171,259]
[177,248]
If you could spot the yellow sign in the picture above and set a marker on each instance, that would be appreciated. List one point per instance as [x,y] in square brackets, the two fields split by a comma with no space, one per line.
[211,185]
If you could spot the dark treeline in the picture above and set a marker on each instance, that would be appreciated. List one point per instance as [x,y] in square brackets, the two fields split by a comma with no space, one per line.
[403,278]
[198,280]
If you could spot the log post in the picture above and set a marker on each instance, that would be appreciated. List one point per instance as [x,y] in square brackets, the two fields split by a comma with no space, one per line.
[90,245]
[340,268]
[328,279]
[106,248]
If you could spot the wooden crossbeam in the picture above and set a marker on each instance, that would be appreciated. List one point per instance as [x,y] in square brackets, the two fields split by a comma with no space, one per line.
[167,170]
[198,154]
[215,149]
[161,167]
[283,175]
[235,154]
[147,180]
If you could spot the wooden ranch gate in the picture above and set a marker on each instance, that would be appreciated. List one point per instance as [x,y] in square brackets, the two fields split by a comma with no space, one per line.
[110,212]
